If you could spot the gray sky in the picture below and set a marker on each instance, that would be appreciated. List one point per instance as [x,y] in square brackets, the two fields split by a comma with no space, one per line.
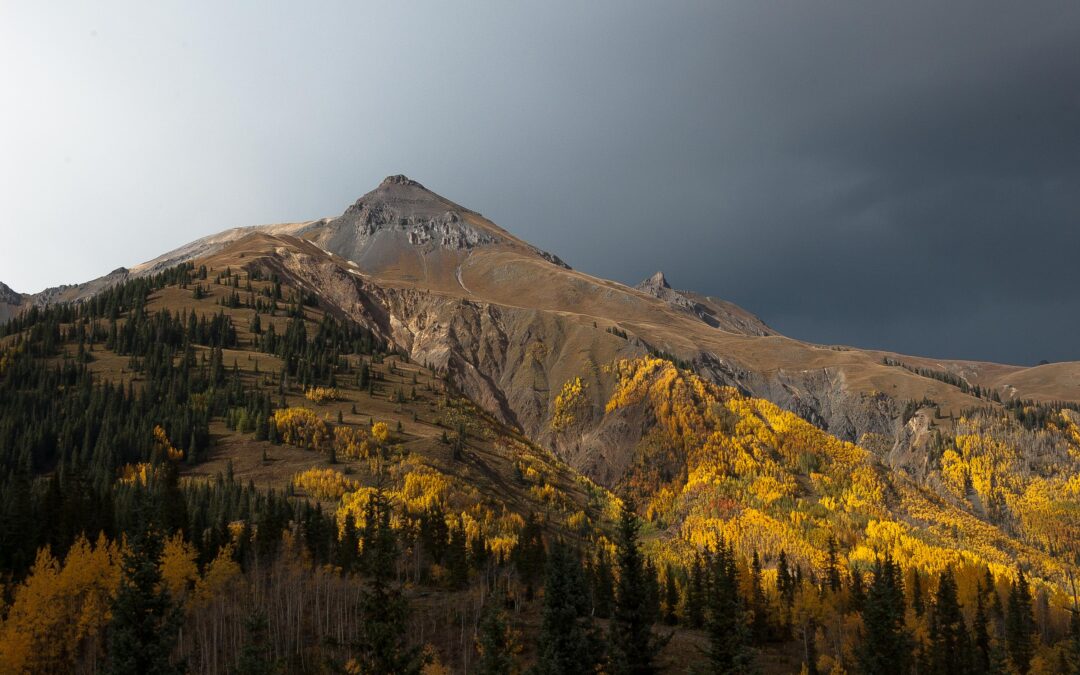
[895,175]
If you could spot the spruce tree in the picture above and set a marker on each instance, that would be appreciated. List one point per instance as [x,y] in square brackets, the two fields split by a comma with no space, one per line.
[1020,626]
[603,590]
[568,642]
[886,646]
[729,634]
[832,567]
[633,645]
[494,643]
[949,643]
[382,647]
[144,626]
[980,629]
[254,655]
[695,594]
[1072,648]
[758,604]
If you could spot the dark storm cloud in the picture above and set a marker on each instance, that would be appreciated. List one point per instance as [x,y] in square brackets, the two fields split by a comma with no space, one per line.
[895,175]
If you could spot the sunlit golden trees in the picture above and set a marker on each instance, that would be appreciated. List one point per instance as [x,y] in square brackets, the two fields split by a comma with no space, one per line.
[59,613]
[323,483]
[301,427]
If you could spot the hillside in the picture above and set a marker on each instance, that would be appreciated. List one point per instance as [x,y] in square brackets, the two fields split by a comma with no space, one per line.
[277,381]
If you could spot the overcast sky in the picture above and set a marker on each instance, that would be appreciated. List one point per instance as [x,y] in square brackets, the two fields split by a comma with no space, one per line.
[902,175]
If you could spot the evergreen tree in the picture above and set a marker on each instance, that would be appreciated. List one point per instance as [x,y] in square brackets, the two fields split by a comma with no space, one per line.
[634,647]
[858,590]
[729,634]
[1072,648]
[832,567]
[145,623]
[1020,626]
[568,642]
[671,597]
[917,604]
[528,554]
[695,594]
[949,644]
[254,655]
[494,643]
[382,647]
[886,646]
[758,605]
[980,632]
[603,591]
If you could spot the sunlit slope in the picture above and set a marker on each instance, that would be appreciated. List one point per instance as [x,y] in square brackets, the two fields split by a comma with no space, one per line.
[708,462]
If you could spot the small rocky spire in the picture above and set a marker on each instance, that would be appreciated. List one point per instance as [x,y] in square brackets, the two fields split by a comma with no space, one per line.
[656,282]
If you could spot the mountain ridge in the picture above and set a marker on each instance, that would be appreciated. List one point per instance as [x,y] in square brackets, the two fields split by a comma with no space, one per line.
[513,324]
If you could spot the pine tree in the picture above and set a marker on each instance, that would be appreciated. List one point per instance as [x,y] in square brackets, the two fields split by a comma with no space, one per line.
[671,598]
[603,590]
[949,644]
[382,646]
[729,634]
[254,657]
[695,594]
[832,567]
[858,590]
[494,643]
[917,604]
[145,623]
[1072,648]
[633,646]
[980,628]
[758,604]
[1020,626]
[886,646]
[568,643]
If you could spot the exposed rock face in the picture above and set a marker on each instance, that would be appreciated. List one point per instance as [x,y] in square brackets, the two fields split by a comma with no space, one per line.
[79,292]
[716,313]
[11,303]
[8,296]
[403,213]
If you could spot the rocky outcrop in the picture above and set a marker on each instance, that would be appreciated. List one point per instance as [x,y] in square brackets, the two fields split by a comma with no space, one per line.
[716,313]
[8,296]
[402,214]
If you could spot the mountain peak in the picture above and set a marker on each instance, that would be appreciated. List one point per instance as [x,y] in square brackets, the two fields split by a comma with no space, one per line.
[655,283]
[400,179]
[8,295]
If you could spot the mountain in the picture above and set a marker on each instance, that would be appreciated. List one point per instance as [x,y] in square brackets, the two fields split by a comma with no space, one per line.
[513,324]
[522,388]
[10,302]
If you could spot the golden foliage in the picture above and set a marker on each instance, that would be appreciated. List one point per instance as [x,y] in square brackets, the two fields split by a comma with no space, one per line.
[163,445]
[7,357]
[717,464]
[179,570]
[320,395]
[568,403]
[221,574]
[324,483]
[380,433]
[301,427]
[132,474]
[352,442]
[60,611]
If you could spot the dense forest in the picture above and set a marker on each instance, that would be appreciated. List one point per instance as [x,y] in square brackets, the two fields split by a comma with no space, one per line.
[128,544]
